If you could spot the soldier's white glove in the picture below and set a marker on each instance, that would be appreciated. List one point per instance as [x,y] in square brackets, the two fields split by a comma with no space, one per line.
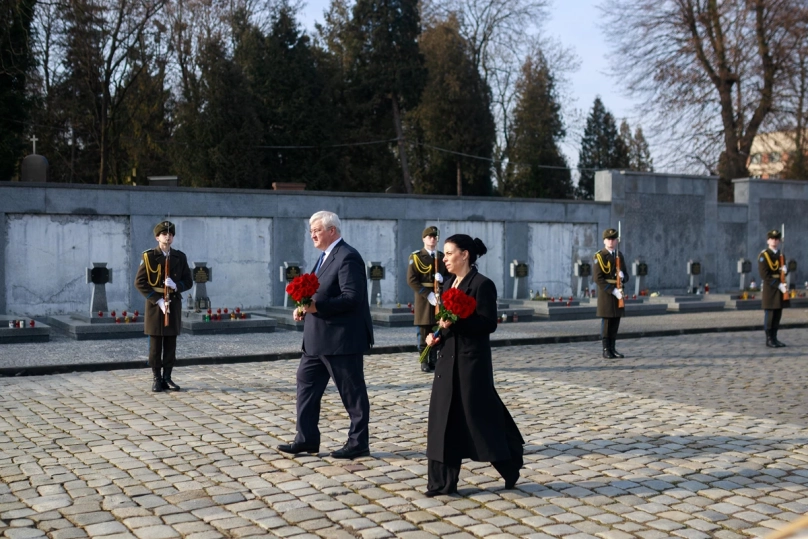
[622,275]
[439,277]
[617,293]
[784,270]
[170,283]
[782,287]
[432,299]
[162,304]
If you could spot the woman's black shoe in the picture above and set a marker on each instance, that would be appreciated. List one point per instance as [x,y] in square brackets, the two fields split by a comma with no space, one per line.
[510,484]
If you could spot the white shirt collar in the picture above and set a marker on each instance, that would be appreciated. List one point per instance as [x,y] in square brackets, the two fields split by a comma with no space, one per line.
[330,248]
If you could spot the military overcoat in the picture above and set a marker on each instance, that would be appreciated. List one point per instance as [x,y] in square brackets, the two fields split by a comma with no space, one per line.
[149,282]
[421,278]
[605,276]
[769,269]
[464,370]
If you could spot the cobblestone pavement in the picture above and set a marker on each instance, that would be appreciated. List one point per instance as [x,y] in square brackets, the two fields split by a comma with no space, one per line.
[648,447]
[62,350]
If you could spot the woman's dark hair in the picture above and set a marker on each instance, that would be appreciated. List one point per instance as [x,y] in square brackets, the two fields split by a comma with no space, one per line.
[475,247]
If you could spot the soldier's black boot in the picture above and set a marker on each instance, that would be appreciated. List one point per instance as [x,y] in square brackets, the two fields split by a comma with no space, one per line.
[607,349]
[167,382]
[157,387]
[769,341]
[614,350]
[777,344]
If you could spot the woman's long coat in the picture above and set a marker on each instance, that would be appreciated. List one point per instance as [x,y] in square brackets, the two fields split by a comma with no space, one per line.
[481,428]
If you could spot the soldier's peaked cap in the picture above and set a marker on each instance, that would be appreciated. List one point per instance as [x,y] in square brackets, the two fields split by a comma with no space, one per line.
[164,226]
[430,231]
[773,235]
[610,234]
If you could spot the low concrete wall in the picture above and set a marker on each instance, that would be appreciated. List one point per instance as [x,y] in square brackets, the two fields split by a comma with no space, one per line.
[51,232]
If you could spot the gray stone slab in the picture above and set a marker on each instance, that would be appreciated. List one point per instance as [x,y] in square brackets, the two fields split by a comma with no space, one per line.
[86,331]
[8,335]
[194,324]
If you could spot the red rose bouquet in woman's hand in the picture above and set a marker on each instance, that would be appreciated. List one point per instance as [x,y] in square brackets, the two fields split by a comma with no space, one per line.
[455,305]
[302,288]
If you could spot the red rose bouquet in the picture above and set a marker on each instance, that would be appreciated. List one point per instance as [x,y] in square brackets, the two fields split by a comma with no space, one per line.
[302,288]
[455,305]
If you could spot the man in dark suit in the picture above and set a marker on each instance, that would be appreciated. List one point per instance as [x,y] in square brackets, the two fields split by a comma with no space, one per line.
[337,331]
[609,294]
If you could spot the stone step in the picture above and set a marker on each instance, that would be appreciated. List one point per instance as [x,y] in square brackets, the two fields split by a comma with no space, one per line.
[86,331]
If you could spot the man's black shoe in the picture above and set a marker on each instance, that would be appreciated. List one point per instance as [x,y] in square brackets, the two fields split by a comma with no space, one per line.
[294,448]
[351,452]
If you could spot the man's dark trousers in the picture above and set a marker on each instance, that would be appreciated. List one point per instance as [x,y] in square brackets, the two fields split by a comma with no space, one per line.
[347,371]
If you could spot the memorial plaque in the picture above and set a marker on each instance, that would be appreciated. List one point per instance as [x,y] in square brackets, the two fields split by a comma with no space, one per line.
[290,272]
[376,272]
[583,270]
[201,275]
[694,268]
[99,275]
[744,266]
[520,270]
[792,265]
[642,269]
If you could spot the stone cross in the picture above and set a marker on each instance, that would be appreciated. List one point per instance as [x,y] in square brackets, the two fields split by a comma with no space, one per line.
[99,275]
[34,139]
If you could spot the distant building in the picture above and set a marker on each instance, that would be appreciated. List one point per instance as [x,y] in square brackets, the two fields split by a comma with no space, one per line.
[771,155]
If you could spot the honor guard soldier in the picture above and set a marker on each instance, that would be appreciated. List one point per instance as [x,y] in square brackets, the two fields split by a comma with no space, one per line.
[609,294]
[772,287]
[426,266]
[162,277]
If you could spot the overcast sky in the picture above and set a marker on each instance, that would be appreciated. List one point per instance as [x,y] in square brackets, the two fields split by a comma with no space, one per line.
[575,24]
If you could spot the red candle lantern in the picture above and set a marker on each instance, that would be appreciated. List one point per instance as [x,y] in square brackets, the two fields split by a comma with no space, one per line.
[134,319]
[137,314]
[31,323]
[209,311]
[100,314]
[117,320]
[238,310]
[112,314]
[123,313]
[570,299]
[225,310]
[219,310]
[569,303]
[243,316]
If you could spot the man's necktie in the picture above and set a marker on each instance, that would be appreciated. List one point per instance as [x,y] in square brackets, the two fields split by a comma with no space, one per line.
[319,263]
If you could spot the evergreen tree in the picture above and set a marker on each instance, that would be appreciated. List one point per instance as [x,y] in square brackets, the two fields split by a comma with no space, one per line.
[601,148]
[454,114]
[294,105]
[386,72]
[536,129]
[639,155]
[16,63]
[216,136]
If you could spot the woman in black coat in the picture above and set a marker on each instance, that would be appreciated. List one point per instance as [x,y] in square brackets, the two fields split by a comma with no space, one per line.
[467,419]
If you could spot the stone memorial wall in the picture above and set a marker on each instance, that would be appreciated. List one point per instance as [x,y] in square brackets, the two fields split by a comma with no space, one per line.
[50,234]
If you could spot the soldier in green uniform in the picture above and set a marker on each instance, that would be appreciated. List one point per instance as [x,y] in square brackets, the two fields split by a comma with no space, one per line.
[605,267]
[771,289]
[421,275]
[150,281]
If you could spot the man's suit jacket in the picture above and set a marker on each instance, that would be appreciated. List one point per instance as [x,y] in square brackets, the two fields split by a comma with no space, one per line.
[342,323]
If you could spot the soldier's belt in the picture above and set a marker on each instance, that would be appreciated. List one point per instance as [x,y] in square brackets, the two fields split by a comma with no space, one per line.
[430,284]
[159,290]
[611,281]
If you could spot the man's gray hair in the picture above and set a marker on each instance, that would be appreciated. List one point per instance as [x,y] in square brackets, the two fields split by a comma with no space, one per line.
[327,218]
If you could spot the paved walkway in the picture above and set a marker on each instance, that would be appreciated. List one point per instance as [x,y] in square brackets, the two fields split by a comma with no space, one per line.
[64,352]
[703,436]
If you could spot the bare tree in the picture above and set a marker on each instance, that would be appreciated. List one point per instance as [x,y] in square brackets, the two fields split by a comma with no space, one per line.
[709,71]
